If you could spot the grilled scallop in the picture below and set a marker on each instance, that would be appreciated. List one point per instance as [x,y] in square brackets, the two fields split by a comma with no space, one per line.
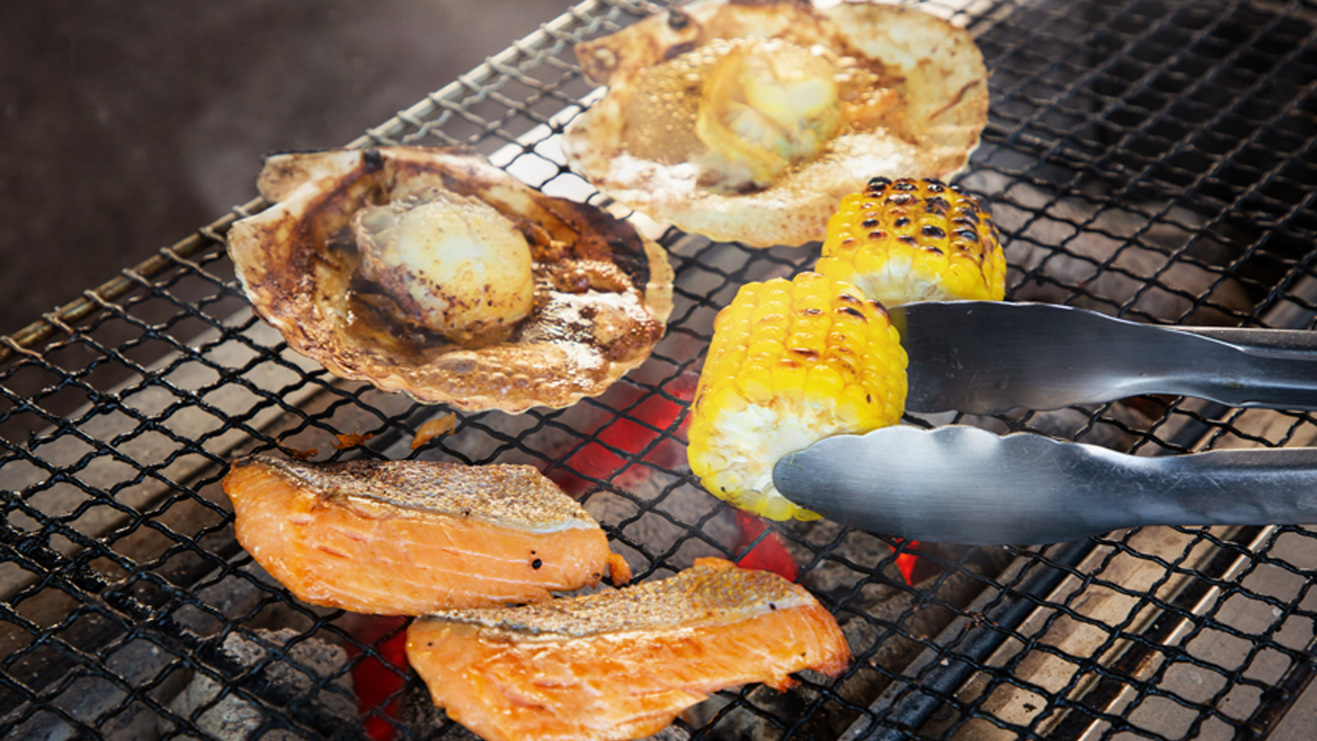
[622,664]
[451,264]
[434,273]
[748,121]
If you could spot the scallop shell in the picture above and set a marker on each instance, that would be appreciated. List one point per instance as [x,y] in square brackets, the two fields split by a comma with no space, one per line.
[603,292]
[935,67]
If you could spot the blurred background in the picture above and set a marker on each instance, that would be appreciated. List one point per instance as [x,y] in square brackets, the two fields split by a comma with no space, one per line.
[125,126]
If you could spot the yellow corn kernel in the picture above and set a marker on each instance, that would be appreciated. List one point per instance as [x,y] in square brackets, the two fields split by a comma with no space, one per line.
[825,361]
[914,240]
[824,384]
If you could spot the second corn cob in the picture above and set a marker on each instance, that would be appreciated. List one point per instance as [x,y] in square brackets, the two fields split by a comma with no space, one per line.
[910,240]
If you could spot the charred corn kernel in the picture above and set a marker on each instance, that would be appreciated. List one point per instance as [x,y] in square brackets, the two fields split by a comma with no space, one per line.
[824,361]
[914,240]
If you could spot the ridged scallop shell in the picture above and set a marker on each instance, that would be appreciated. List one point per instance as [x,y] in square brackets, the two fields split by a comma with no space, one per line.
[935,67]
[603,292]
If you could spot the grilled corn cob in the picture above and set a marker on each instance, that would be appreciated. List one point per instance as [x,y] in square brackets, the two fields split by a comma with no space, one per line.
[790,362]
[914,240]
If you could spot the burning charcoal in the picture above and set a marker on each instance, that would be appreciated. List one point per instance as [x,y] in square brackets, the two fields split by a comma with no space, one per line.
[752,717]
[229,595]
[856,554]
[672,519]
[92,700]
[420,713]
[885,634]
[671,733]
[283,680]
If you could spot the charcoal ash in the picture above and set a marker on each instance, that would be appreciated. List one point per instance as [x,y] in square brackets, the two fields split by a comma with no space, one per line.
[307,677]
[654,513]
[430,722]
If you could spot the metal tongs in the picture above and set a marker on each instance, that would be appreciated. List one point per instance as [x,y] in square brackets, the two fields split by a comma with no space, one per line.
[966,485]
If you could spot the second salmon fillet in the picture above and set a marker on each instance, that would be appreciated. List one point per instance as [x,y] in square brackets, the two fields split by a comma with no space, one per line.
[412,537]
[622,664]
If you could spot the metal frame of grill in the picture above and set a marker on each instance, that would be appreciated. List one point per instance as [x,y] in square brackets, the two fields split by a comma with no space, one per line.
[1146,158]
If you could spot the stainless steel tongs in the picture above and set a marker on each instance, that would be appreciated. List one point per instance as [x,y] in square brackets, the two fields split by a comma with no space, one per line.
[963,484]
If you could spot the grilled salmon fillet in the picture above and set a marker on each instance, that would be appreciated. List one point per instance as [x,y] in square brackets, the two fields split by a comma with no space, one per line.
[412,537]
[622,664]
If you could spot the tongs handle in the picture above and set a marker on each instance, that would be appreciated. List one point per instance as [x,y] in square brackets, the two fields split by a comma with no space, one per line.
[966,485]
[987,357]
[1256,368]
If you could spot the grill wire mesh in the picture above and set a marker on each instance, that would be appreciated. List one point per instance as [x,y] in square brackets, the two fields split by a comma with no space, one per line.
[1148,159]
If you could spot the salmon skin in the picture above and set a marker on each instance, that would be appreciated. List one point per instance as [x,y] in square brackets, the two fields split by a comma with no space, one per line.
[622,664]
[412,537]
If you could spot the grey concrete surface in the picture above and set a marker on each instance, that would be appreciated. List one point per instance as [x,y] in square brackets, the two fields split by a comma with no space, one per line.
[126,125]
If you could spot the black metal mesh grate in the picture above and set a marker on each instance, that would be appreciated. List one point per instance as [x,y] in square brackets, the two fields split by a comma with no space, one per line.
[1149,159]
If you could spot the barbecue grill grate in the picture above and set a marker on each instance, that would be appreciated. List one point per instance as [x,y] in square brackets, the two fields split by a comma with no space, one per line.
[1148,159]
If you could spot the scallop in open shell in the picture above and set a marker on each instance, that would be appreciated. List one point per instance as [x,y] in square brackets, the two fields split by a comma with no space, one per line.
[435,273]
[749,121]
